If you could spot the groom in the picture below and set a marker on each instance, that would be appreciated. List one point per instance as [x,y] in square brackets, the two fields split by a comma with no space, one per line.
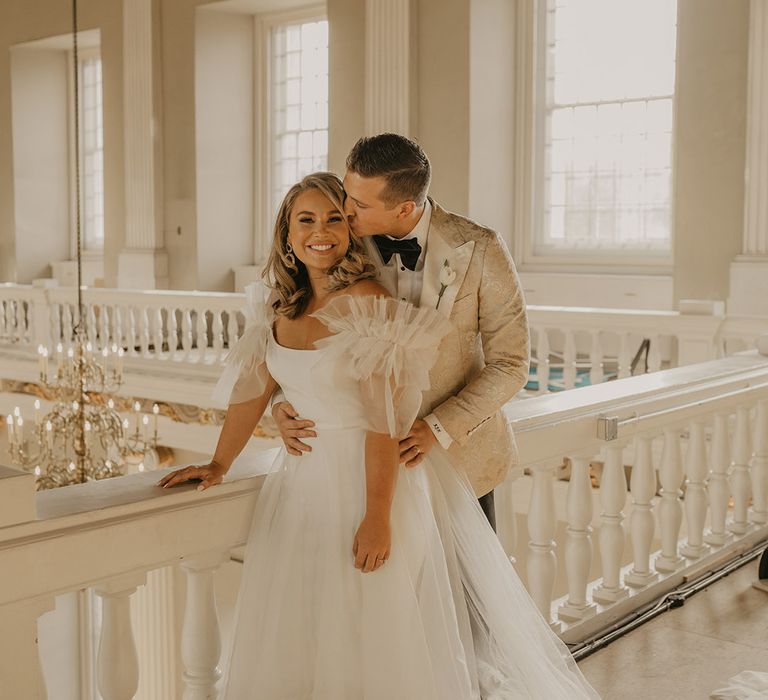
[431,257]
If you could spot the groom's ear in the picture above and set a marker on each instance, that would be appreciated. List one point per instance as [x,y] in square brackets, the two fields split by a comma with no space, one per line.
[405,209]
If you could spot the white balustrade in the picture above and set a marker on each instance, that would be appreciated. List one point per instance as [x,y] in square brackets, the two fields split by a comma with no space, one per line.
[73,545]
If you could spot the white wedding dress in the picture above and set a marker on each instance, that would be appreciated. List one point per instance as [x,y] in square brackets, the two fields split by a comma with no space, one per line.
[446,618]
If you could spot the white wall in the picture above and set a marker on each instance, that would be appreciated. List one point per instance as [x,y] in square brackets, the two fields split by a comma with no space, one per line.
[40,160]
[224,88]
[491,115]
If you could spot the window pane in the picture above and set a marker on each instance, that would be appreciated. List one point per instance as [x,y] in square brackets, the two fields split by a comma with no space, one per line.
[299,96]
[607,158]
[92,154]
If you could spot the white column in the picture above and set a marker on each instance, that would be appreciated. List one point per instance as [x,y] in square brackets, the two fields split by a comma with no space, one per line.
[749,272]
[143,262]
[578,543]
[201,636]
[152,609]
[21,675]
[117,664]
[388,72]
[613,496]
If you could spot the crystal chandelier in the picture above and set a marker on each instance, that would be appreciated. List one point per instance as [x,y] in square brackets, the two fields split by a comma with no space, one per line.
[82,437]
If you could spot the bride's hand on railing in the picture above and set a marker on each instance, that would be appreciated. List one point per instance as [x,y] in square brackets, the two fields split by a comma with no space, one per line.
[208,475]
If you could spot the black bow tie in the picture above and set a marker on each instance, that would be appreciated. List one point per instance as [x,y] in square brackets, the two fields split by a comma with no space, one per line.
[408,249]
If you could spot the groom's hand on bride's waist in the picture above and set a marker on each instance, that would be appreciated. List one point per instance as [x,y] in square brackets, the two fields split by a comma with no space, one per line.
[292,428]
[419,441]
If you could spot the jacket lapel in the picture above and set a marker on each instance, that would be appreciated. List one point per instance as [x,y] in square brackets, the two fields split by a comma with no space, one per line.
[447,253]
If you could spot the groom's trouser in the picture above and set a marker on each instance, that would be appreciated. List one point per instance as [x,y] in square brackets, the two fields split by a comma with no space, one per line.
[487,504]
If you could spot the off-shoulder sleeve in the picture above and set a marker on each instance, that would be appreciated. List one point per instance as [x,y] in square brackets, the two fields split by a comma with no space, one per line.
[245,372]
[390,346]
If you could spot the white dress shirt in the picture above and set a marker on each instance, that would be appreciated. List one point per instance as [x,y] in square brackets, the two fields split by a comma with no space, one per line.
[408,284]
[396,276]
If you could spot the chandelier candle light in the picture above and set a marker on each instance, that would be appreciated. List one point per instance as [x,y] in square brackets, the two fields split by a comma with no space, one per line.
[82,437]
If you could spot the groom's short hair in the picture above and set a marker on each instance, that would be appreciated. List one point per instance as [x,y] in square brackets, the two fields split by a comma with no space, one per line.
[400,161]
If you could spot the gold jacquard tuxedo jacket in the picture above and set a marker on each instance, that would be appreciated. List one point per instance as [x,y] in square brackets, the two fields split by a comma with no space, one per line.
[483,361]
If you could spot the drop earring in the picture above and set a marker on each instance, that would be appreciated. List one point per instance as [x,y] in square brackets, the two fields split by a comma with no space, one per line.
[289,256]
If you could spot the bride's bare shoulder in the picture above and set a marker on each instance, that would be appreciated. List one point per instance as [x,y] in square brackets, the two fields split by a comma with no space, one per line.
[366,288]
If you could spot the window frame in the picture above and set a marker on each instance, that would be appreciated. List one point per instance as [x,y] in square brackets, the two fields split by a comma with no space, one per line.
[530,127]
[263,113]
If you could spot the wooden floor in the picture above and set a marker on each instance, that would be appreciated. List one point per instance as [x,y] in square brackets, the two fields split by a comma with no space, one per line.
[688,652]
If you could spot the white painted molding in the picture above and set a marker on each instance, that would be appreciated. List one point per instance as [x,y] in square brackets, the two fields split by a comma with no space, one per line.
[387,66]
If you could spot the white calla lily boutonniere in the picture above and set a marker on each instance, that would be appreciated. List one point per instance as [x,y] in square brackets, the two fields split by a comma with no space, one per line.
[447,278]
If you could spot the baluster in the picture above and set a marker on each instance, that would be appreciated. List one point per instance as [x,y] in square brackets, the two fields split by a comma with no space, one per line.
[719,491]
[55,325]
[173,332]
[3,320]
[118,326]
[13,325]
[20,669]
[596,374]
[66,335]
[542,360]
[117,671]
[569,359]
[578,543]
[506,526]
[201,641]
[202,335]
[144,330]
[90,315]
[759,512]
[186,336]
[104,335]
[133,330]
[218,336]
[670,508]
[740,481]
[696,491]
[158,332]
[28,316]
[613,497]
[231,328]
[654,354]
[642,484]
[625,356]
[542,563]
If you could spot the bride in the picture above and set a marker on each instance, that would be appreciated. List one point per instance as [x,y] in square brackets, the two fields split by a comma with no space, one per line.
[363,580]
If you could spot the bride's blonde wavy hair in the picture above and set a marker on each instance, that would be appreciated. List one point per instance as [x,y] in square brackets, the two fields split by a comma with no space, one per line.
[288,275]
